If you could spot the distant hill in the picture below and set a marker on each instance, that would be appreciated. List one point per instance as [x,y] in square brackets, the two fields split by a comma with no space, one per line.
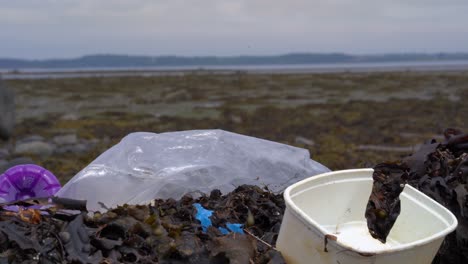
[127,61]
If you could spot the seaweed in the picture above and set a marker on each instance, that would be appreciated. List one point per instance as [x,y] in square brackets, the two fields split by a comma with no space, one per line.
[165,231]
[440,170]
[384,207]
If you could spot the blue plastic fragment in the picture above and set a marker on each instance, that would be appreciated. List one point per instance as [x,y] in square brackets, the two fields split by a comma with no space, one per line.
[236,228]
[223,230]
[203,215]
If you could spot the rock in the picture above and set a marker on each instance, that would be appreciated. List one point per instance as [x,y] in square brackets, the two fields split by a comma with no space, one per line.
[31,138]
[212,104]
[69,139]
[4,153]
[7,110]
[14,162]
[180,95]
[70,117]
[21,160]
[76,149]
[3,165]
[236,119]
[106,140]
[39,148]
[93,141]
[304,141]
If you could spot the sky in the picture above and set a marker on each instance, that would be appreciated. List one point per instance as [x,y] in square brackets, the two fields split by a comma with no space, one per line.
[39,29]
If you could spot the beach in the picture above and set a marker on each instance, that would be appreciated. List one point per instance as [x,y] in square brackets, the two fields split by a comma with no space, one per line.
[345,119]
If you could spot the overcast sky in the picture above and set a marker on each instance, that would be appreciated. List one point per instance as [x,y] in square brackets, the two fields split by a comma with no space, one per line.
[66,28]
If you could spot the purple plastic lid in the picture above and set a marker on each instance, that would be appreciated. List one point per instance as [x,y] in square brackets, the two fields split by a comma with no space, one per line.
[27,181]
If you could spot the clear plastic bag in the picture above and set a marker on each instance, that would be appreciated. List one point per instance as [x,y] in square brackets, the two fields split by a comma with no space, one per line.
[145,166]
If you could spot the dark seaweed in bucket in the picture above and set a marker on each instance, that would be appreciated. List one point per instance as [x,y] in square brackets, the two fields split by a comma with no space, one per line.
[384,207]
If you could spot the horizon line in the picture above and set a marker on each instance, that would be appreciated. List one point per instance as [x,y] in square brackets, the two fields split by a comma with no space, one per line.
[237,56]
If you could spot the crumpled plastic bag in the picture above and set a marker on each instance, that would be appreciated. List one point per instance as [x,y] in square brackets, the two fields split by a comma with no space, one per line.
[145,166]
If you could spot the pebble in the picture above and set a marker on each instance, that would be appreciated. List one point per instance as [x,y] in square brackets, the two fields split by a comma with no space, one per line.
[32,138]
[39,148]
[69,139]
[3,165]
[304,141]
[76,149]
[64,236]
[4,153]
[93,141]
[236,119]
[176,96]
[70,117]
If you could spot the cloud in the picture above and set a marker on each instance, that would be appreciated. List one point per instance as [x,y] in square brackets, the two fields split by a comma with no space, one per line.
[189,27]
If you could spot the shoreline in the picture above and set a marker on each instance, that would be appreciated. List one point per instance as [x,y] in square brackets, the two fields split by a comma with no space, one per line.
[460,66]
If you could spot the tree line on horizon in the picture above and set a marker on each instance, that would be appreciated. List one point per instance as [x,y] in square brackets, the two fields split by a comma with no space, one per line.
[109,60]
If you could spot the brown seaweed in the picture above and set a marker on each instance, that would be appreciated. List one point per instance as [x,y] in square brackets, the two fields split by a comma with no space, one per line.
[440,170]
[164,232]
[384,207]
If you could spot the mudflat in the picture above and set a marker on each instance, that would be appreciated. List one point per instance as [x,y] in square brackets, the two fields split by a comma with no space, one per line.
[346,120]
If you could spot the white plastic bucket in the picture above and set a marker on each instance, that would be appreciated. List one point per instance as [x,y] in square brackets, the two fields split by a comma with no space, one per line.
[329,209]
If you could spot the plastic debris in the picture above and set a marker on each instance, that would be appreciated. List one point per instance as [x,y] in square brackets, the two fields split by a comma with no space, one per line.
[236,228]
[203,215]
[146,166]
[223,230]
[22,182]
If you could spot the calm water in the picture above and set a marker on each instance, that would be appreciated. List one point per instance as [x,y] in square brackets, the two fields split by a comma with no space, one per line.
[274,69]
